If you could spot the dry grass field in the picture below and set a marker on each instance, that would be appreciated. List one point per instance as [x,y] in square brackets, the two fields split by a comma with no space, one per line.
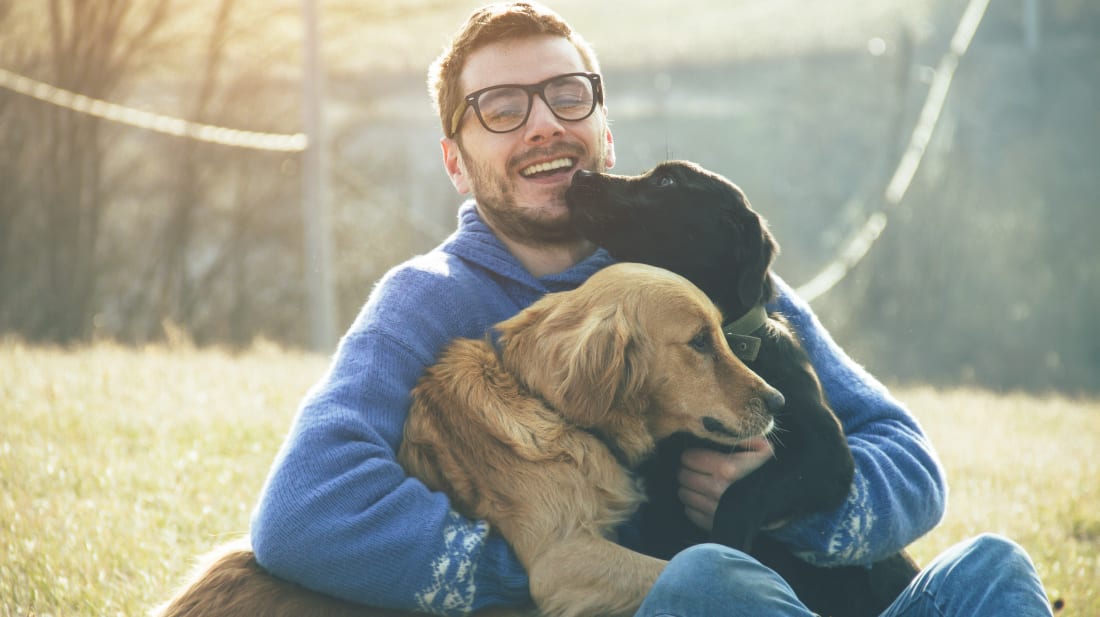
[118,466]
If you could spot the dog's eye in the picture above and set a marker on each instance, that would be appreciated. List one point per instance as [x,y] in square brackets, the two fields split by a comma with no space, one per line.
[665,181]
[701,342]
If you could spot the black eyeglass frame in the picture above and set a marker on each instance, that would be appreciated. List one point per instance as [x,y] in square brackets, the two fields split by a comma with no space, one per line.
[471,100]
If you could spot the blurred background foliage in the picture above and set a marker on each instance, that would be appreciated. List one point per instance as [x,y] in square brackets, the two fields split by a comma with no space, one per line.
[988,273]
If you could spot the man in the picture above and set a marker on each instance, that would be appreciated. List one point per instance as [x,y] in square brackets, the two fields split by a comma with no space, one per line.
[520,101]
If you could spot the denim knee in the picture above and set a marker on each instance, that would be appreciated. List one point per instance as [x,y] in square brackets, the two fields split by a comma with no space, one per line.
[1001,554]
[711,579]
[703,561]
[988,575]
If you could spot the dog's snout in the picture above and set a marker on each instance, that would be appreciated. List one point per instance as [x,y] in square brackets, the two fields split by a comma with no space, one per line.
[766,402]
[582,175]
[773,400]
[584,188]
[584,181]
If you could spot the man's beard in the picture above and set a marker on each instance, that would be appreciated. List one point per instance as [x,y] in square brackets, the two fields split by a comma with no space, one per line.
[496,200]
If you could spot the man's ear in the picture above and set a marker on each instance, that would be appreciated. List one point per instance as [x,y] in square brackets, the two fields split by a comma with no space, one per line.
[452,163]
[609,158]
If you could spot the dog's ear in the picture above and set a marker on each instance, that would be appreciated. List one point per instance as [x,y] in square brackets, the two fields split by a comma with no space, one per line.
[582,361]
[603,369]
[760,248]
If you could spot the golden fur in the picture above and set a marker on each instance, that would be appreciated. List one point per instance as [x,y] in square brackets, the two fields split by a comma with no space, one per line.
[536,435]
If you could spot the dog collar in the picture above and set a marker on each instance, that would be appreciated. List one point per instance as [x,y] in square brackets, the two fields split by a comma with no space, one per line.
[738,333]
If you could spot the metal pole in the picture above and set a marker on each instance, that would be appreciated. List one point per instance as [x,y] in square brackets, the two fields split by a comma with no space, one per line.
[1031,25]
[317,244]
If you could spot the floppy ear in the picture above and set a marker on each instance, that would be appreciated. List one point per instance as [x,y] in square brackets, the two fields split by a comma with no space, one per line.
[583,362]
[754,285]
[601,367]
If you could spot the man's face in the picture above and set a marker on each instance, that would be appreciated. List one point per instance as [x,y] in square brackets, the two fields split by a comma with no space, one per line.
[499,169]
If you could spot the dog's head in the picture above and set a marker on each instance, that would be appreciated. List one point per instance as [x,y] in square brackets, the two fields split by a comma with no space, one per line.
[636,353]
[684,218]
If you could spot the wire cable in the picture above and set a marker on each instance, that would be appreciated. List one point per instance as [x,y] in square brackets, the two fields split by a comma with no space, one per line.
[860,242]
[160,123]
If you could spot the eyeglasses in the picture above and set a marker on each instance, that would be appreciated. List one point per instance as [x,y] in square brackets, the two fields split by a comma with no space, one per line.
[505,108]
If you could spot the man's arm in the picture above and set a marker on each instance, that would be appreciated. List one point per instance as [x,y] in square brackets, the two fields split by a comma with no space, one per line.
[339,515]
[899,492]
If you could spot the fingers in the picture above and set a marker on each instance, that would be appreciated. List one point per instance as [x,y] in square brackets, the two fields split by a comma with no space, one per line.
[700,489]
[702,518]
[706,474]
[726,469]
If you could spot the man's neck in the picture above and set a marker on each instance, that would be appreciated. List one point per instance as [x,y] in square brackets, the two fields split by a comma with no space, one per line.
[545,259]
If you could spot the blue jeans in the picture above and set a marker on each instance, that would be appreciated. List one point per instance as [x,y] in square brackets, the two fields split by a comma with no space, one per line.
[986,576]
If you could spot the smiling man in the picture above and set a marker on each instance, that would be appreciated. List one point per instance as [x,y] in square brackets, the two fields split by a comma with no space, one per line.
[521,105]
[534,138]
[520,102]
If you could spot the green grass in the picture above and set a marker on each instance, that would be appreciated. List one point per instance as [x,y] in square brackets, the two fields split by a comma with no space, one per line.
[118,467]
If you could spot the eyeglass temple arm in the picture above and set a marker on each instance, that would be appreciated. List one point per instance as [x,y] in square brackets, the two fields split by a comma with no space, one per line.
[457,117]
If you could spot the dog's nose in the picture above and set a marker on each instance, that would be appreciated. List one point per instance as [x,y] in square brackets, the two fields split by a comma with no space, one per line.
[582,175]
[773,400]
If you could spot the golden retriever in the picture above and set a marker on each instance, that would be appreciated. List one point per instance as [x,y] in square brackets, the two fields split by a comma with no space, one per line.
[537,431]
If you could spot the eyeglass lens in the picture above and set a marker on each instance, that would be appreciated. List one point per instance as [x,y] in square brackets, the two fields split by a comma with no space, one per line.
[505,108]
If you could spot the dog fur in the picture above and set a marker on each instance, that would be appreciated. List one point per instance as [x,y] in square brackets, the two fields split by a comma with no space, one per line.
[698,224]
[536,431]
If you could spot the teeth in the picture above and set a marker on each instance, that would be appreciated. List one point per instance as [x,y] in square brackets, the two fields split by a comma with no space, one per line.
[562,163]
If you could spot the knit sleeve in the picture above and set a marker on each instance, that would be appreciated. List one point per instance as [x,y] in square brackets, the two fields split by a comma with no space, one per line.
[339,515]
[899,492]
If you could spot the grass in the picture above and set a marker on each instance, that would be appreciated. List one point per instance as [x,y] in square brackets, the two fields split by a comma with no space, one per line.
[118,466]
[1023,466]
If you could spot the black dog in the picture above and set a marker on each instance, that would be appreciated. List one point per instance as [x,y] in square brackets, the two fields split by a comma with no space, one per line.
[700,225]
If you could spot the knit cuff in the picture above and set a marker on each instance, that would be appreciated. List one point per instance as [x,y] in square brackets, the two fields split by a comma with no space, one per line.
[500,579]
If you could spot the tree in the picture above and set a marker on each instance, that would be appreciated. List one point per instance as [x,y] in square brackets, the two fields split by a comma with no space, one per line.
[61,203]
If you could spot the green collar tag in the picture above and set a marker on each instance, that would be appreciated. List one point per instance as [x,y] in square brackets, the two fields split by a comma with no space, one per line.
[738,332]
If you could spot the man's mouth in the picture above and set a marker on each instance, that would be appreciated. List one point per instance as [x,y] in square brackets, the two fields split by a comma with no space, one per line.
[547,168]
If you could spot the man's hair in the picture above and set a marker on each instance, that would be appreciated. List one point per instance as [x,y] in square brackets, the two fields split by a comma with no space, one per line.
[491,24]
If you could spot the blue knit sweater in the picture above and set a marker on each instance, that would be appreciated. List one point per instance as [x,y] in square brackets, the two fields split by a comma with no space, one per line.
[339,515]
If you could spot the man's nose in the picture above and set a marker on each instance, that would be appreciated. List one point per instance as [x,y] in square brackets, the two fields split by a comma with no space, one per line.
[542,124]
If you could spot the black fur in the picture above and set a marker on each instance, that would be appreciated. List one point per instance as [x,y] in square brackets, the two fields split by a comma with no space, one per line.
[686,219]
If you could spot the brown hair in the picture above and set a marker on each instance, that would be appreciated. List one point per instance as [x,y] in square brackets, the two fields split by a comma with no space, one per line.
[490,24]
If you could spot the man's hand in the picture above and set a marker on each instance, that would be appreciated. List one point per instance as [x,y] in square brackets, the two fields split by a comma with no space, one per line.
[705,475]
